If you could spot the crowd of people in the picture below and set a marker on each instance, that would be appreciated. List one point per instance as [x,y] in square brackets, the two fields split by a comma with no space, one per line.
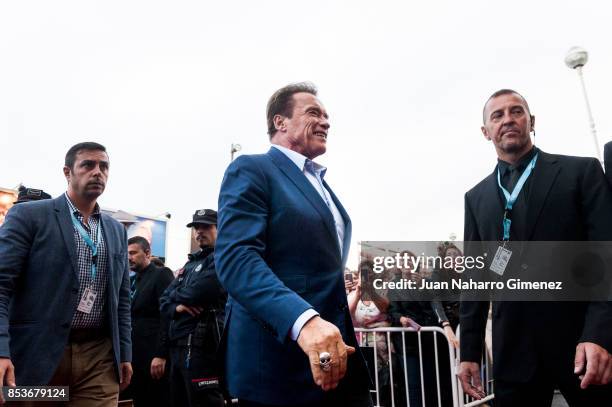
[265,310]
[372,308]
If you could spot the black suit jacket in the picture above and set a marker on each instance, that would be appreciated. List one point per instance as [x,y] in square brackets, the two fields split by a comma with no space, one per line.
[569,200]
[149,327]
[608,161]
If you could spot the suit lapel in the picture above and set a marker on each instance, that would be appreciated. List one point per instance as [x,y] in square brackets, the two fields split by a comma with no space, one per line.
[301,182]
[544,175]
[138,286]
[111,250]
[62,214]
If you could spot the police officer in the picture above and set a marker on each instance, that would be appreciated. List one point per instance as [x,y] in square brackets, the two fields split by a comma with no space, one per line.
[195,303]
[25,195]
[31,194]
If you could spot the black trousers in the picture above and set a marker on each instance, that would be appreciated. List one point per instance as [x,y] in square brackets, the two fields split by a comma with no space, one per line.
[193,380]
[145,391]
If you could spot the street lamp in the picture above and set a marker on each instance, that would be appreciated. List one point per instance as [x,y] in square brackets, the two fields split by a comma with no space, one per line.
[235,148]
[576,58]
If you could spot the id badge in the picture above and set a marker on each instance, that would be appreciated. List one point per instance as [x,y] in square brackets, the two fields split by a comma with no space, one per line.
[87,301]
[205,383]
[500,261]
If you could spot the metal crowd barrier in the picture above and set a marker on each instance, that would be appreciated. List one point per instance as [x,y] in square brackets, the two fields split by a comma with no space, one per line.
[393,394]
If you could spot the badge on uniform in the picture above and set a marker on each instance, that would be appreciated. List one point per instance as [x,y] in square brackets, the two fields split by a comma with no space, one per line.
[198,268]
[206,383]
[500,261]
[87,301]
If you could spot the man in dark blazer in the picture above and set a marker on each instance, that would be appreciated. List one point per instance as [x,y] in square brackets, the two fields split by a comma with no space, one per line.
[150,386]
[282,245]
[538,346]
[64,289]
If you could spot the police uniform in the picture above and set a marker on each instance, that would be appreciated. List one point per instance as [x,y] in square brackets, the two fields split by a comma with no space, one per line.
[31,194]
[194,340]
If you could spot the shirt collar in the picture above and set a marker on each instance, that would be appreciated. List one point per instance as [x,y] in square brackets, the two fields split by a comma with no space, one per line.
[74,209]
[201,254]
[299,160]
[522,163]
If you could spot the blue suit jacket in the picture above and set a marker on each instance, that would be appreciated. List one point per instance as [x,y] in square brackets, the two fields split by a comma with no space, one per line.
[277,255]
[39,288]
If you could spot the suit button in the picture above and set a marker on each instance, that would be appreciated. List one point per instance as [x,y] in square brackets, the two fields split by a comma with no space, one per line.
[75,290]
[342,307]
[524,266]
[66,325]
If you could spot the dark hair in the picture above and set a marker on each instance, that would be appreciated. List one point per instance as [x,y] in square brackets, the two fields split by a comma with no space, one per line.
[141,241]
[449,246]
[281,102]
[75,149]
[157,261]
[500,93]
[366,263]
[411,255]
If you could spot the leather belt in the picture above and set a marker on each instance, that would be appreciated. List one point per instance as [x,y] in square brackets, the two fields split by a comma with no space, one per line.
[80,335]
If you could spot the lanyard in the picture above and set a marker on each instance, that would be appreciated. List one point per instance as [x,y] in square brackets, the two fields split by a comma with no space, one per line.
[511,197]
[132,285]
[92,246]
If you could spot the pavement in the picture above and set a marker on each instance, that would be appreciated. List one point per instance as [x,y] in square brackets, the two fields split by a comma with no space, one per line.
[559,400]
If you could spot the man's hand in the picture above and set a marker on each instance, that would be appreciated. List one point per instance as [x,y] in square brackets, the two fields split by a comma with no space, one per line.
[469,374]
[125,375]
[318,336]
[158,367]
[7,375]
[190,309]
[598,364]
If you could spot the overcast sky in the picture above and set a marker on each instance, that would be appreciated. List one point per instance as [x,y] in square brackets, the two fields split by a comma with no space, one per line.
[168,86]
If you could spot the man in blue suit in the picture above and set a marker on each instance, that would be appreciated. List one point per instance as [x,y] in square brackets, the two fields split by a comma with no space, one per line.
[282,246]
[64,289]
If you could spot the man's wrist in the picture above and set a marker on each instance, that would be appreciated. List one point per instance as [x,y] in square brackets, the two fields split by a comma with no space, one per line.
[301,321]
